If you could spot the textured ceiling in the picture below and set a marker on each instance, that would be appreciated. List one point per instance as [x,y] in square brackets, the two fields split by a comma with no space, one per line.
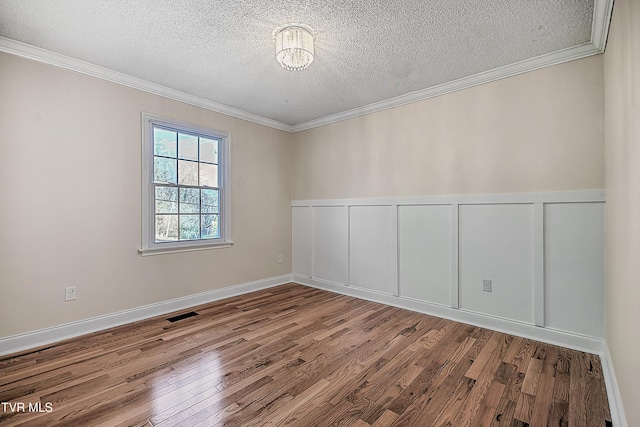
[367,51]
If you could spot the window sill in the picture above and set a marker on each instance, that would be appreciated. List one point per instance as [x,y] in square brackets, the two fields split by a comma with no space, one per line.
[190,248]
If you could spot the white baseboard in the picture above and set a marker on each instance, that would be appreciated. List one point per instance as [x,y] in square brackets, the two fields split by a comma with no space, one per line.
[613,392]
[21,342]
[551,336]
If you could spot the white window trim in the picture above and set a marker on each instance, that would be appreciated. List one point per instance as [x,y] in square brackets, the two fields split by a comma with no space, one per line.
[149,246]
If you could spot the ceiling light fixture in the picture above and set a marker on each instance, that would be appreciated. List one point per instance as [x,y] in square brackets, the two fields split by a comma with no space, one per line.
[294,47]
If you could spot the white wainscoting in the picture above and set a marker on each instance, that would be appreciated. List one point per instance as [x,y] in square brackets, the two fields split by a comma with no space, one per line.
[372,252]
[301,246]
[496,243]
[574,276]
[543,252]
[330,231]
[424,252]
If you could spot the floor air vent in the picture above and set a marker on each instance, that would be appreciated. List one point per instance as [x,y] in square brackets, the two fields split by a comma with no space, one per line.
[182,316]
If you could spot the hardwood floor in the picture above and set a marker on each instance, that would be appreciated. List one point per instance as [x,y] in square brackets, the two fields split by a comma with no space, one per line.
[294,355]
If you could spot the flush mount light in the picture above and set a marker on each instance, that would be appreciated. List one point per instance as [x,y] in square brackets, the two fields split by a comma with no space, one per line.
[294,47]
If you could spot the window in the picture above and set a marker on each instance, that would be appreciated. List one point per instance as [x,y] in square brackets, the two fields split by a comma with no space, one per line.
[185,187]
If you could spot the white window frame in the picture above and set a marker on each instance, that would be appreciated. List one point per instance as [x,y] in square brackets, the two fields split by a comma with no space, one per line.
[149,246]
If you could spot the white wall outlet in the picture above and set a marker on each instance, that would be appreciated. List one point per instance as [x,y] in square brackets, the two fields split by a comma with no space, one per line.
[279,259]
[69,293]
[486,285]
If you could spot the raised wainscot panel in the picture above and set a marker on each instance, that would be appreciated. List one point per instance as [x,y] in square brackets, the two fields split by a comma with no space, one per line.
[424,252]
[371,248]
[574,267]
[301,243]
[496,243]
[330,243]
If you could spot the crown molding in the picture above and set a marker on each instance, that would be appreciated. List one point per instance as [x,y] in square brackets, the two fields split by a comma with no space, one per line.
[602,10]
[599,31]
[51,58]
[548,60]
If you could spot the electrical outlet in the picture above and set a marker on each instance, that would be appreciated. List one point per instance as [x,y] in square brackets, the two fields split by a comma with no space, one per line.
[486,285]
[69,293]
[279,259]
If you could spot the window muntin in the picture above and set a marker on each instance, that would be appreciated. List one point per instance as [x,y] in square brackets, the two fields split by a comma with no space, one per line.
[185,170]
[185,180]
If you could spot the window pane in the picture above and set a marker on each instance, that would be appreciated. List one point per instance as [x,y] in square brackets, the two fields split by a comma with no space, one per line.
[164,171]
[189,227]
[166,228]
[166,200]
[164,142]
[210,201]
[187,173]
[189,200]
[187,147]
[210,226]
[184,193]
[209,150]
[208,175]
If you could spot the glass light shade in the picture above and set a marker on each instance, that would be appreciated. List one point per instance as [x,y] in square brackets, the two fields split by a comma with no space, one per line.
[294,47]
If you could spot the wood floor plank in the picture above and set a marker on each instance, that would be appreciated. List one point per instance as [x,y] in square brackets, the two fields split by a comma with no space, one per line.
[386,419]
[531,378]
[295,355]
[559,413]
[577,390]
[474,402]
[544,399]
[483,357]
[504,414]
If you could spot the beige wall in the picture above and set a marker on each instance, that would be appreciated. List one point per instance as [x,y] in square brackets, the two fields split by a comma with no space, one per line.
[539,131]
[622,142]
[70,186]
